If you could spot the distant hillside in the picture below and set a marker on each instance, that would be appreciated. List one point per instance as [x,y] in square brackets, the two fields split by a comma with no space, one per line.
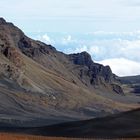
[130,79]
[132,82]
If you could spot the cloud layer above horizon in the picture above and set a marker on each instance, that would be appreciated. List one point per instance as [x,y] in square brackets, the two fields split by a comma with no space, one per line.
[120,50]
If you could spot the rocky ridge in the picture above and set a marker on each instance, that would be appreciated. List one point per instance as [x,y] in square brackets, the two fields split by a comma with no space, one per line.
[38,81]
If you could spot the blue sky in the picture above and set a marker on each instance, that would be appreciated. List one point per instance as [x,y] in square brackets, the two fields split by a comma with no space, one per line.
[108,29]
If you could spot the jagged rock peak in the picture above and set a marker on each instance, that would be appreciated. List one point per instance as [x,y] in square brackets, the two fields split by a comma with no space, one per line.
[82,58]
[2,20]
[84,53]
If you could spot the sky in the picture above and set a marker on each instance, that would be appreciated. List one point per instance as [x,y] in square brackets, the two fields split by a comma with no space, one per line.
[108,29]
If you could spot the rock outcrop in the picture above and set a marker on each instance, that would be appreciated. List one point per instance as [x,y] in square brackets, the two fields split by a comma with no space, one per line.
[97,74]
[34,49]
[2,21]
[95,70]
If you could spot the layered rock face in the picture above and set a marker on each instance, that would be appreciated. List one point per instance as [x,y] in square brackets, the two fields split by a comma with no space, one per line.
[33,49]
[96,72]
[13,64]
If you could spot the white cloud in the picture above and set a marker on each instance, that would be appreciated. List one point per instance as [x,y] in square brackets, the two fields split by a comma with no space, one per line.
[122,66]
[90,49]
[67,40]
[76,50]
[120,50]
[82,49]
[130,49]
[93,50]
[45,38]
[105,47]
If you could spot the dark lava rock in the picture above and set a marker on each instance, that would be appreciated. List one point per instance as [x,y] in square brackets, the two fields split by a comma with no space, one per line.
[2,21]
[30,49]
[117,89]
[96,73]
[81,59]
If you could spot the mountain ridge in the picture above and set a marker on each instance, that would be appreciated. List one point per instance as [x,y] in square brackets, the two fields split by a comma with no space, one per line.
[40,83]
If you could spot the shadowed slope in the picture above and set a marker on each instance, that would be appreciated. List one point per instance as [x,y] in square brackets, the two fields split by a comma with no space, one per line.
[124,125]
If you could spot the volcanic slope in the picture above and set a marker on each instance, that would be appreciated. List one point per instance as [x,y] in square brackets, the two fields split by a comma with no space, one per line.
[40,85]
[123,125]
